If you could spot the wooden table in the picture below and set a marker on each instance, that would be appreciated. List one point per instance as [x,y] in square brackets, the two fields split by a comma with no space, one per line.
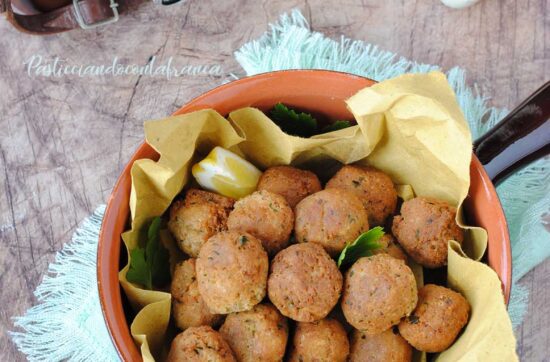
[64,140]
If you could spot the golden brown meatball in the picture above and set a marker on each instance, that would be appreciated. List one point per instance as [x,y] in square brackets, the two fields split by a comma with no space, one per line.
[321,341]
[232,272]
[304,283]
[373,187]
[391,247]
[266,216]
[424,228]
[330,218]
[290,182]
[188,307]
[438,318]
[378,292]
[200,344]
[387,346]
[259,334]
[196,196]
[201,215]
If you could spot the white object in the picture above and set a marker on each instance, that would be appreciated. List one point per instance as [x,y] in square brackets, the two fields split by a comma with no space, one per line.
[459,4]
[226,173]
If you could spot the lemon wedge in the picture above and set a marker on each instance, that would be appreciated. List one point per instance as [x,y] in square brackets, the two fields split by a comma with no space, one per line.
[226,173]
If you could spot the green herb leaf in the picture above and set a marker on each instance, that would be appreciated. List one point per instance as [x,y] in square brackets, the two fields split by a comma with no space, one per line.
[150,266]
[160,265]
[413,319]
[361,247]
[301,124]
[336,126]
[243,240]
[293,123]
[139,271]
[154,228]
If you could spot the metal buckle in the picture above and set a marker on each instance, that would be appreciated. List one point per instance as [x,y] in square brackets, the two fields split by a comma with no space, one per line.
[80,19]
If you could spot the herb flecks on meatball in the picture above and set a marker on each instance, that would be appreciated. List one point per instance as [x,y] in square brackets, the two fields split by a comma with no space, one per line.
[321,341]
[424,228]
[200,344]
[259,334]
[266,216]
[290,182]
[232,270]
[373,187]
[378,292]
[188,307]
[387,346]
[201,215]
[304,283]
[437,320]
[330,218]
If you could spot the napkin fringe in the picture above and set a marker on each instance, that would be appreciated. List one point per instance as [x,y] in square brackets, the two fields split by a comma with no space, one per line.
[526,199]
[291,44]
[68,313]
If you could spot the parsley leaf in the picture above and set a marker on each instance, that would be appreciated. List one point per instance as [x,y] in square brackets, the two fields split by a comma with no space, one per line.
[360,247]
[335,126]
[301,124]
[150,266]
[138,271]
[293,123]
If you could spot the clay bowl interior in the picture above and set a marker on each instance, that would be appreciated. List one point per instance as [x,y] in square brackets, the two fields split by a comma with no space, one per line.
[321,92]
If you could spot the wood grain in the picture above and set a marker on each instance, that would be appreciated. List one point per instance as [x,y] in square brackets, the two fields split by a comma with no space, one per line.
[63,141]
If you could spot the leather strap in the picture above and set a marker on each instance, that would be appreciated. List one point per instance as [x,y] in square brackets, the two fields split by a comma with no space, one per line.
[61,19]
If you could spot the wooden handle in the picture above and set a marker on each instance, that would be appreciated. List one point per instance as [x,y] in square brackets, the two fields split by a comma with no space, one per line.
[520,138]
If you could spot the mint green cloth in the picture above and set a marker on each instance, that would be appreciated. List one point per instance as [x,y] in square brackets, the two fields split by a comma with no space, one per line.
[67,323]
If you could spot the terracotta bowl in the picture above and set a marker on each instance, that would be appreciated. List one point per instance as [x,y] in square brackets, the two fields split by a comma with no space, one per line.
[313,90]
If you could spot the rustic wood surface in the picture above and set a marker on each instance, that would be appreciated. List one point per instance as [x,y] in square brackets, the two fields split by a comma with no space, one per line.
[63,141]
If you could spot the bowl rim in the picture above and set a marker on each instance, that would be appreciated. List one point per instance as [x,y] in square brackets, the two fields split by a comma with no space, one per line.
[108,283]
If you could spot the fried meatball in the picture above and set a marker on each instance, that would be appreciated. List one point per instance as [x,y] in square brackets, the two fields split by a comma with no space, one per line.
[387,346]
[201,215]
[378,292]
[266,216]
[188,307]
[330,218]
[290,182]
[196,196]
[391,247]
[259,334]
[438,318]
[321,341]
[373,187]
[200,344]
[232,272]
[424,228]
[304,283]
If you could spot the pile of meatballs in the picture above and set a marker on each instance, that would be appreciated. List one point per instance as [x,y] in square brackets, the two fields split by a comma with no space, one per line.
[261,282]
